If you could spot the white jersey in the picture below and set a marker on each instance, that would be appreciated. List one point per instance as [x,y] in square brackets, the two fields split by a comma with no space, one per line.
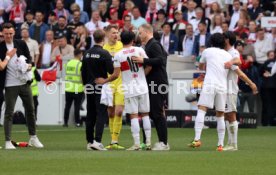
[232,78]
[216,74]
[133,74]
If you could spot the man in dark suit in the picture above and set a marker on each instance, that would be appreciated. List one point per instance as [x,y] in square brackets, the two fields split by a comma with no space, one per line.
[15,85]
[168,40]
[201,40]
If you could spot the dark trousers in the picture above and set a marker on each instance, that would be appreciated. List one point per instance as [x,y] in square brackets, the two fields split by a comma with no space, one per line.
[157,114]
[249,98]
[1,101]
[71,97]
[11,94]
[96,117]
[35,99]
[269,106]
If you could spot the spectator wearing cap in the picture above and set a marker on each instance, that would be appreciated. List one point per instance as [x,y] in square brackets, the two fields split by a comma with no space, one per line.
[29,20]
[173,6]
[137,20]
[62,50]
[151,14]
[52,21]
[127,24]
[201,40]
[186,42]
[262,45]
[114,18]
[256,11]
[180,25]
[190,13]
[200,18]
[32,45]
[95,23]
[216,26]
[116,4]
[60,10]
[83,15]
[37,30]
[235,15]
[62,30]
[103,11]
[268,90]
[46,49]
[168,40]
[161,19]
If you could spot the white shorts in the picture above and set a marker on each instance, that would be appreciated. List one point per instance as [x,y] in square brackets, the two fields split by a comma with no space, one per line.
[211,96]
[137,104]
[231,103]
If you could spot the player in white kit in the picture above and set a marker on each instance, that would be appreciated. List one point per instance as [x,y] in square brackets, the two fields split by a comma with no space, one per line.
[214,88]
[232,92]
[135,88]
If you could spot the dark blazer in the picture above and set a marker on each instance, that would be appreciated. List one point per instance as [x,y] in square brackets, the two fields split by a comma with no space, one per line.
[22,49]
[173,43]
[196,43]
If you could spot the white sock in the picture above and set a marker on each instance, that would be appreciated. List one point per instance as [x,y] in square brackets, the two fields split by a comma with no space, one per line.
[235,126]
[229,132]
[220,130]
[199,123]
[135,129]
[147,129]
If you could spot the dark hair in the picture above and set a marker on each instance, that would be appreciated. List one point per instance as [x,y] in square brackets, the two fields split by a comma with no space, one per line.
[127,37]
[7,26]
[38,11]
[127,16]
[111,26]
[99,36]
[217,40]
[61,16]
[136,8]
[165,24]
[202,22]
[77,52]
[231,36]
[260,29]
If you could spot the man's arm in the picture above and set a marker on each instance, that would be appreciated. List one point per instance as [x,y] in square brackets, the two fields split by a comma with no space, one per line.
[147,70]
[5,62]
[112,77]
[202,66]
[235,61]
[244,78]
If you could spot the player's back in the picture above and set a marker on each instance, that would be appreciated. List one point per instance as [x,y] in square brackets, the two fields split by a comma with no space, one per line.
[133,74]
[216,74]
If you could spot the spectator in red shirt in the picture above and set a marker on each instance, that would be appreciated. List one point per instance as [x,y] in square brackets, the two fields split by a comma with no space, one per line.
[241,28]
[114,18]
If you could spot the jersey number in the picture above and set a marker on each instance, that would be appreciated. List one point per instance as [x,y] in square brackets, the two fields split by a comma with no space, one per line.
[133,66]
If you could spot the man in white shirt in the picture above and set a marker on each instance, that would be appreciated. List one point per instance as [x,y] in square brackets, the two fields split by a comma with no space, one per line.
[32,45]
[46,49]
[214,88]
[232,92]
[135,88]
[235,16]
[137,20]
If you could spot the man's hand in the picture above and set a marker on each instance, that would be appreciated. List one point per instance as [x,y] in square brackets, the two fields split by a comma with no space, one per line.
[11,53]
[228,65]
[29,67]
[266,74]
[137,59]
[100,81]
[254,88]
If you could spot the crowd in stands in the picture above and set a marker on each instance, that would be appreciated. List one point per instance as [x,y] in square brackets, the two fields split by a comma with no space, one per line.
[183,27]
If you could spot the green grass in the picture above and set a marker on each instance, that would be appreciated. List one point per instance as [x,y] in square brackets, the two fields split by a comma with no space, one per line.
[65,153]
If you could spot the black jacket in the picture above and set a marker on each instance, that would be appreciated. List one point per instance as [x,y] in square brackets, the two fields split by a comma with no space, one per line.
[158,60]
[96,63]
[22,49]
[268,82]
[253,74]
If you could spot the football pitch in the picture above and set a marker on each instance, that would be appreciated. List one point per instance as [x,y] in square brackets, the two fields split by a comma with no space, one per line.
[65,154]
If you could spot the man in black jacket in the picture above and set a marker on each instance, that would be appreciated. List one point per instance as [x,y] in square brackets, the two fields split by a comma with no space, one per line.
[10,51]
[157,80]
[97,63]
